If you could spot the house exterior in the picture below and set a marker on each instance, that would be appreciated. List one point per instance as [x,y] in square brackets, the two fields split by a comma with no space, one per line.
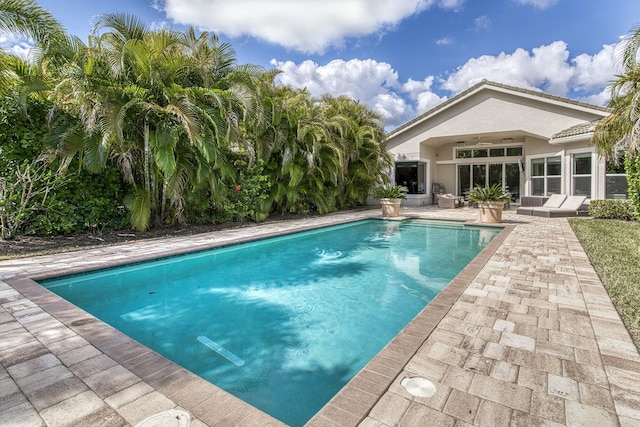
[531,143]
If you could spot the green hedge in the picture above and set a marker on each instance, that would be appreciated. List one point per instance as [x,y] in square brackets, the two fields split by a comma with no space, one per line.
[632,170]
[612,209]
[36,199]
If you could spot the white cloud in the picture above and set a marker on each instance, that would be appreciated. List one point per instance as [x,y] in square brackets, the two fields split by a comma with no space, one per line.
[482,22]
[600,98]
[546,68]
[392,107]
[414,88]
[376,84]
[307,26]
[445,41]
[421,93]
[373,83]
[359,79]
[427,100]
[540,4]
[16,45]
[594,72]
[454,5]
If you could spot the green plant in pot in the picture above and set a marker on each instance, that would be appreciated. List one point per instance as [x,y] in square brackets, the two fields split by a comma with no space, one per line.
[390,197]
[490,200]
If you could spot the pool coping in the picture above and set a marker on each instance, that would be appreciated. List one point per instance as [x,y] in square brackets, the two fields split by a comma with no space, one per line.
[215,406]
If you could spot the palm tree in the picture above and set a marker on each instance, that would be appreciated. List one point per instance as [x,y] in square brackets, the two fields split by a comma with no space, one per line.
[322,154]
[620,131]
[26,18]
[163,105]
[360,133]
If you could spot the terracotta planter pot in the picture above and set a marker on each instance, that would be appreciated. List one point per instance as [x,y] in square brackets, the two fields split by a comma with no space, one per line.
[390,207]
[491,212]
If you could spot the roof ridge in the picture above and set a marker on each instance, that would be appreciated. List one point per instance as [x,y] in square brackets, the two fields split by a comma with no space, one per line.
[486,82]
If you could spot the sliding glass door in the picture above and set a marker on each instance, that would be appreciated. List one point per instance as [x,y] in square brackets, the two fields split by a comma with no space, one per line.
[482,174]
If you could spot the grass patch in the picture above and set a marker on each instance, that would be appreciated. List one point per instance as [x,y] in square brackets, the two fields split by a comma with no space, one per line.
[613,247]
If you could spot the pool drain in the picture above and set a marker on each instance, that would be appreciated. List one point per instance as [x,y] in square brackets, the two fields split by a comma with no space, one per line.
[419,387]
[168,418]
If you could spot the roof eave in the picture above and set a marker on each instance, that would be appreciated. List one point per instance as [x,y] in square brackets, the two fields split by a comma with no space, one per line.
[572,138]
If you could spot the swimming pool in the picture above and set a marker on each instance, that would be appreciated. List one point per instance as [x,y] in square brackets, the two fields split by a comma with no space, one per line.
[282,320]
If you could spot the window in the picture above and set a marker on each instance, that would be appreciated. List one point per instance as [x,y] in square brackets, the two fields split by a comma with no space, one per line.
[514,151]
[412,175]
[546,176]
[474,153]
[581,174]
[506,175]
[463,154]
[464,179]
[488,166]
[479,175]
[512,180]
[616,186]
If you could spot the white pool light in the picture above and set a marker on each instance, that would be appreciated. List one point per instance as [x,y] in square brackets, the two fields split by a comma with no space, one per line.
[419,387]
[168,418]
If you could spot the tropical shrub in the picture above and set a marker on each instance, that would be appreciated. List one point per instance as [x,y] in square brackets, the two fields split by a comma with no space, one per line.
[321,154]
[22,131]
[612,209]
[247,199]
[494,193]
[24,191]
[632,169]
[36,198]
[243,197]
[83,202]
[390,191]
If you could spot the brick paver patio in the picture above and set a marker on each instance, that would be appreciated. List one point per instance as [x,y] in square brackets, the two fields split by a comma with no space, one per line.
[525,335]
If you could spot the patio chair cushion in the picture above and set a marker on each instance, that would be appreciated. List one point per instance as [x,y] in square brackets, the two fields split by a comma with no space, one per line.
[448,201]
[568,208]
[554,201]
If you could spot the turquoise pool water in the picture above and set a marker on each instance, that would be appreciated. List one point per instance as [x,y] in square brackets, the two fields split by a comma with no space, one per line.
[282,323]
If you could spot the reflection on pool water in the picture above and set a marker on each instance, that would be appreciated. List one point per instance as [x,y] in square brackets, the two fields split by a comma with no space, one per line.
[282,323]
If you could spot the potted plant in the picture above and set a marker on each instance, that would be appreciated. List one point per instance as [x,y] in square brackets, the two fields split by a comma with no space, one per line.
[390,197]
[491,202]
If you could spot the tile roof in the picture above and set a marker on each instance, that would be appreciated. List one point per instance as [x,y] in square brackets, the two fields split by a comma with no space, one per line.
[579,129]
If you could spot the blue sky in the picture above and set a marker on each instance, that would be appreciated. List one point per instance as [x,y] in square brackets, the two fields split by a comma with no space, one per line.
[401,57]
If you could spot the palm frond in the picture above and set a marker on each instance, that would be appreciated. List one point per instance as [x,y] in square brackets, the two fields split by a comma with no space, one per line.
[139,205]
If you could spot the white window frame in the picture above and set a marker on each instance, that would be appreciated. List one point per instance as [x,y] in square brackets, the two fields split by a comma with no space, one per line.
[488,148]
[427,174]
[530,177]
[594,168]
[603,178]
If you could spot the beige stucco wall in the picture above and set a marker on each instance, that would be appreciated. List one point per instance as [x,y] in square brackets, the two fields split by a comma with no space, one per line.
[447,176]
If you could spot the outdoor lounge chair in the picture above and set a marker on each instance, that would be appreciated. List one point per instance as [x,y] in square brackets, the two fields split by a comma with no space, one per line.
[569,207]
[554,201]
[450,201]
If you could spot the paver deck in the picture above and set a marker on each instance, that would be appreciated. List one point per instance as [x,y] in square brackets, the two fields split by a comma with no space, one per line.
[525,335]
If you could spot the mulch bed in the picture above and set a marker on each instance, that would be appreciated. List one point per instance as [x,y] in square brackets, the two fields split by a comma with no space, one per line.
[22,246]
